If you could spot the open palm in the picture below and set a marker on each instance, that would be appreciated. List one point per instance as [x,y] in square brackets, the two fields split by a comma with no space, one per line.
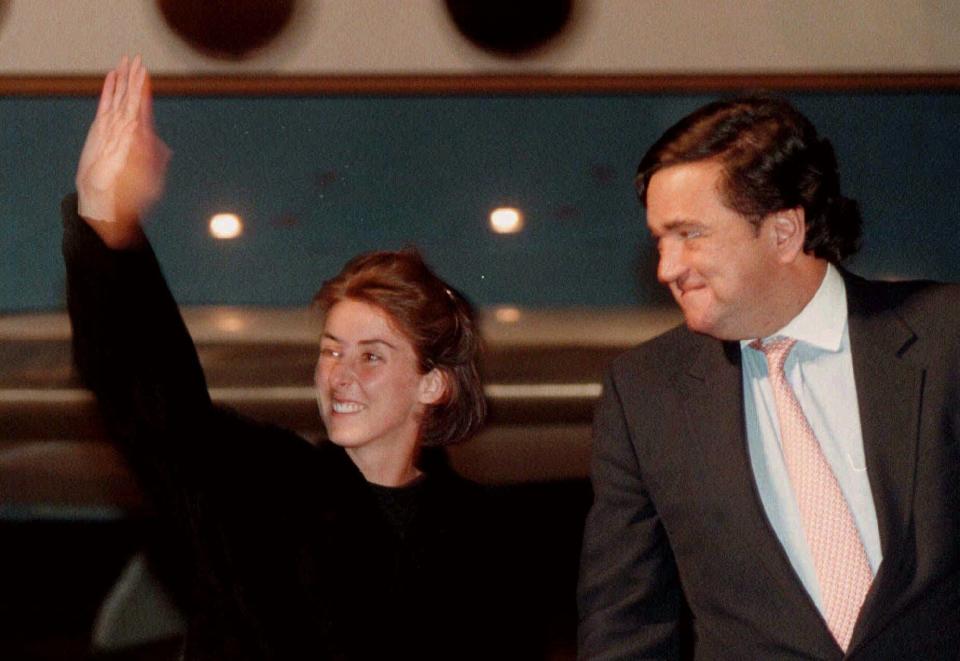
[123,163]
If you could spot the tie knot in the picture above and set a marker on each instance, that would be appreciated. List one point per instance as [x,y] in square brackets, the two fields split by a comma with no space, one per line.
[776,351]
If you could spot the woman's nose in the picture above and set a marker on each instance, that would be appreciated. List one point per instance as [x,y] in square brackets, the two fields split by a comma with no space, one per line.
[341,373]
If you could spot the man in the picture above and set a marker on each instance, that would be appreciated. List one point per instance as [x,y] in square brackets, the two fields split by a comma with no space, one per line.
[779,478]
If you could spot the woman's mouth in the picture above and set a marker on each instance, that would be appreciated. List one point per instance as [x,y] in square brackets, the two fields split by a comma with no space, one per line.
[346,407]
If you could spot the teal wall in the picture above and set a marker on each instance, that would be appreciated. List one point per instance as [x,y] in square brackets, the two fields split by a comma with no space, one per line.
[320,179]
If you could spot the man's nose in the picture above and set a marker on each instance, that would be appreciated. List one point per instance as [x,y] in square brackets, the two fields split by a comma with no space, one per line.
[670,266]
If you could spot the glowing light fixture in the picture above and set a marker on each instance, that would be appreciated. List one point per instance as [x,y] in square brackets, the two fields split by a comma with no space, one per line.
[226,226]
[506,220]
[507,314]
[229,321]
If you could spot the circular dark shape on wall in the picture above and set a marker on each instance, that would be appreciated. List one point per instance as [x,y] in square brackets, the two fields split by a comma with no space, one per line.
[227,28]
[510,27]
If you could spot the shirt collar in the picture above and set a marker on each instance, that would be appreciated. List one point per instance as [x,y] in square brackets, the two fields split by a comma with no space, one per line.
[822,321]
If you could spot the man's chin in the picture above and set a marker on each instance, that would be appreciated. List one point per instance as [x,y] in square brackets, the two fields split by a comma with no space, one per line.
[716,332]
[703,326]
[699,329]
[694,321]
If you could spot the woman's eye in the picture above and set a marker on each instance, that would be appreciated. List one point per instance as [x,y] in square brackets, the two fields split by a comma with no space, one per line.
[327,352]
[371,358]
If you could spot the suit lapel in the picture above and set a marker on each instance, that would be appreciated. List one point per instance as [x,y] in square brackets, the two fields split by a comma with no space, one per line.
[713,399]
[889,390]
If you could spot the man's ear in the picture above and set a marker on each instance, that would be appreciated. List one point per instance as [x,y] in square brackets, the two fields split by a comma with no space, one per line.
[789,232]
[433,386]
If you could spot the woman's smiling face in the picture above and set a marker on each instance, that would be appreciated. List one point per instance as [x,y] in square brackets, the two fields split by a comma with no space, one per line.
[371,393]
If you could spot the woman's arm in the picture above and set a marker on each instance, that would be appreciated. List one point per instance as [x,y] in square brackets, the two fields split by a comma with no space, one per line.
[130,344]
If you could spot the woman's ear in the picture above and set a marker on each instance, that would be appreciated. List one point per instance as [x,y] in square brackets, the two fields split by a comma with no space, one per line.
[433,386]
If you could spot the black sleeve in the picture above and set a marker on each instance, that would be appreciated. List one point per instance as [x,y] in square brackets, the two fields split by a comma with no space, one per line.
[629,598]
[133,351]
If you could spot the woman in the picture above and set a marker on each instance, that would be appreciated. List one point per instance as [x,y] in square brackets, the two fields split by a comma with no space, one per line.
[348,549]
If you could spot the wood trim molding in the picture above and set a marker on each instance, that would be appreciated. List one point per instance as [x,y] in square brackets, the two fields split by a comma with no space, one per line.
[466,85]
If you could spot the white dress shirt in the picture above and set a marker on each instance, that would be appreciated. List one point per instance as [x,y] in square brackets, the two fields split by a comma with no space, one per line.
[820,371]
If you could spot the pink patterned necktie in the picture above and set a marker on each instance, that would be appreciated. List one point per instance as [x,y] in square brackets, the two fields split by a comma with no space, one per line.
[838,554]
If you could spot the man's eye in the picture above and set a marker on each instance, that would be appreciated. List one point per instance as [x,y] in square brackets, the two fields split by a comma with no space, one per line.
[327,352]
[690,234]
[371,358]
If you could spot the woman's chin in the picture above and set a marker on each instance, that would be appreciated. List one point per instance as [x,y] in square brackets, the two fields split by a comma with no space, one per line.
[343,440]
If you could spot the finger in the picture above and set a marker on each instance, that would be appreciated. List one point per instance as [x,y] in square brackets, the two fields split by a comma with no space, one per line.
[146,102]
[136,71]
[106,95]
[131,105]
[123,72]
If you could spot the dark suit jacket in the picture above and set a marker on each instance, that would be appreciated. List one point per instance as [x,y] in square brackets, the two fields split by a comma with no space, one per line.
[679,558]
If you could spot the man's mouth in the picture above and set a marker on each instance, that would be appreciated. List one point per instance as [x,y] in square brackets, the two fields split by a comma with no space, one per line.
[681,291]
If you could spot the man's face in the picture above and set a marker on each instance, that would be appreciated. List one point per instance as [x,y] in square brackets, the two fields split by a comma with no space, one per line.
[719,268]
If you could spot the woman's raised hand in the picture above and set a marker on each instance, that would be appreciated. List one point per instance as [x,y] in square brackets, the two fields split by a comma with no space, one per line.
[123,164]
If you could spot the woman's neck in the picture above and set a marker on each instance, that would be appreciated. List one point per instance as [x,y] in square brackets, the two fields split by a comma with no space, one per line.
[388,469]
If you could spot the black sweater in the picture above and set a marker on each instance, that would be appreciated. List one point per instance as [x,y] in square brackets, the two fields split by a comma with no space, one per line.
[288,551]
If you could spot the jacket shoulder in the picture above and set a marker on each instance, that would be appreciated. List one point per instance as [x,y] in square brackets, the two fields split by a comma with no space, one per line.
[926,306]
[665,354]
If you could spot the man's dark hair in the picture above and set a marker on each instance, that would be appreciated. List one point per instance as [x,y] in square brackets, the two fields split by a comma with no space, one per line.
[773,160]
